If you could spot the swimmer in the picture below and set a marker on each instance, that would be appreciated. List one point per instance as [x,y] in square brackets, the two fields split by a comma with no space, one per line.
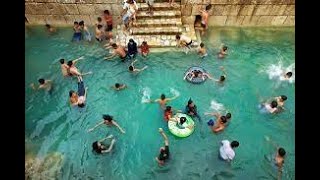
[180,122]
[218,116]
[73,98]
[44,84]
[219,125]
[168,113]
[279,157]
[118,86]
[101,148]
[271,107]
[223,52]
[222,77]
[85,30]
[288,75]
[108,120]
[191,109]
[132,48]
[164,151]
[65,67]
[73,70]
[77,35]
[202,51]
[132,69]
[82,93]
[280,100]
[99,33]
[227,150]
[118,50]
[184,41]
[163,100]
[50,28]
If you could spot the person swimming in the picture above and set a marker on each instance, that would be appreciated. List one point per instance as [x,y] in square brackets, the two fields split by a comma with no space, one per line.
[132,69]
[164,151]
[163,100]
[202,51]
[101,148]
[223,52]
[270,107]
[118,86]
[109,121]
[43,84]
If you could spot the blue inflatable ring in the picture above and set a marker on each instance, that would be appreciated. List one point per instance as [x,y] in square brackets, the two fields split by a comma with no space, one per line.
[195,80]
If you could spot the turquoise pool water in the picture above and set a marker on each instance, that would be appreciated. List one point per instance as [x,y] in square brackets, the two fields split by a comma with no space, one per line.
[56,138]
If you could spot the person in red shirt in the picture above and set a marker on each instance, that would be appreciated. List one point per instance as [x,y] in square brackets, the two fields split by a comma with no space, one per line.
[108,20]
[168,113]
[144,48]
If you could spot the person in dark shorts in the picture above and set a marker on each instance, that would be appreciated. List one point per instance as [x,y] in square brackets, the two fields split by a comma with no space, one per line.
[101,148]
[191,110]
[82,92]
[118,50]
[132,48]
[164,151]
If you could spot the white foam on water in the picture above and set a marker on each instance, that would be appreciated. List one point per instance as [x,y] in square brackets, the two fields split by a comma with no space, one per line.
[146,91]
[174,92]
[277,71]
[218,107]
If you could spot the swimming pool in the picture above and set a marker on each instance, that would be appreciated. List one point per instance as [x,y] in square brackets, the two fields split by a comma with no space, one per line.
[57,134]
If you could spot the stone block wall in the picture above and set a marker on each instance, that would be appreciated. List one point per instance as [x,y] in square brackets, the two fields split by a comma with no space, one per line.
[242,12]
[223,12]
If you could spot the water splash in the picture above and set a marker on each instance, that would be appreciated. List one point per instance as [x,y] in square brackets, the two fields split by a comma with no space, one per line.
[146,91]
[277,71]
[218,107]
[174,92]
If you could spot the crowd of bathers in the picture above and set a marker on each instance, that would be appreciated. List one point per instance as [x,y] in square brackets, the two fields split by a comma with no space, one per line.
[104,33]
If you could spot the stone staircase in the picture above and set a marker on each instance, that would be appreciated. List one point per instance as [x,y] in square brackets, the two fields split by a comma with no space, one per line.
[158,30]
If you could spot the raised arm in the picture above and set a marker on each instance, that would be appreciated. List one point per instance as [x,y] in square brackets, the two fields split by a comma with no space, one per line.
[110,56]
[166,141]
[117,125]
[223,71]
[99,124]
[133,62]
[174,97]
[110,147]
[76,60]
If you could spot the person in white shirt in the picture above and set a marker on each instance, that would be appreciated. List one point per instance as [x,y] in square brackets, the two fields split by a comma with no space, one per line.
[226,150]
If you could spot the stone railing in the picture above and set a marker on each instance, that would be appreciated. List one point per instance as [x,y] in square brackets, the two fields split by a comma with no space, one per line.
[223,12]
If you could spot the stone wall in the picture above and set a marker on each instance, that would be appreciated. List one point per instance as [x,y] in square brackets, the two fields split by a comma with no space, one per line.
[242,12]
[223,13]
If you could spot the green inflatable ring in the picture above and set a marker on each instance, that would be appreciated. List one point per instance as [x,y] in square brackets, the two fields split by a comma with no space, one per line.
[175,130]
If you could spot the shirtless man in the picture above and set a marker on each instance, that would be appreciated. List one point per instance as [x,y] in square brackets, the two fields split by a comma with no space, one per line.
[222,77]
[73,70]
[109,121]
[44,84]
[118,86]
[184,41]
[163,100]
[99,33]
[202,51]
[118,50]
[132,69]
[65,67]
[280,100]
[205,17]
[279,157]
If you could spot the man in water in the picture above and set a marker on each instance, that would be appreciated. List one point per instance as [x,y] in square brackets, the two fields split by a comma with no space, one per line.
[65,67]
[164,151]
[118,86]
[82,93]
[180,122]
[205,17]
[227,150]
[50,29]
[44,84]
[108,120]
[202,51]
[223,52]
[271,107]
[132,69]
[101,148]
[184,41]
[132,48]
[279,156]
[222,77]
[73,70]
[191,109]
[281,100]
[118,50]
[288,75]
[163,100]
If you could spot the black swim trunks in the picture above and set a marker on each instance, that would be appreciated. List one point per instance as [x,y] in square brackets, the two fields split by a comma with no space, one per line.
[109,28]
[165,155]
[81,89]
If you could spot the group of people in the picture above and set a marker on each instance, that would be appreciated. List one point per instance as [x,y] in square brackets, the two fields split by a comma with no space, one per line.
[104,32]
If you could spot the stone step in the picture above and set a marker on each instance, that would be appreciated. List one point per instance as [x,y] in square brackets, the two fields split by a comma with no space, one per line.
[152,40]
[158,1]
[158,14]
[158,22]
[157,7]
[169,30]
